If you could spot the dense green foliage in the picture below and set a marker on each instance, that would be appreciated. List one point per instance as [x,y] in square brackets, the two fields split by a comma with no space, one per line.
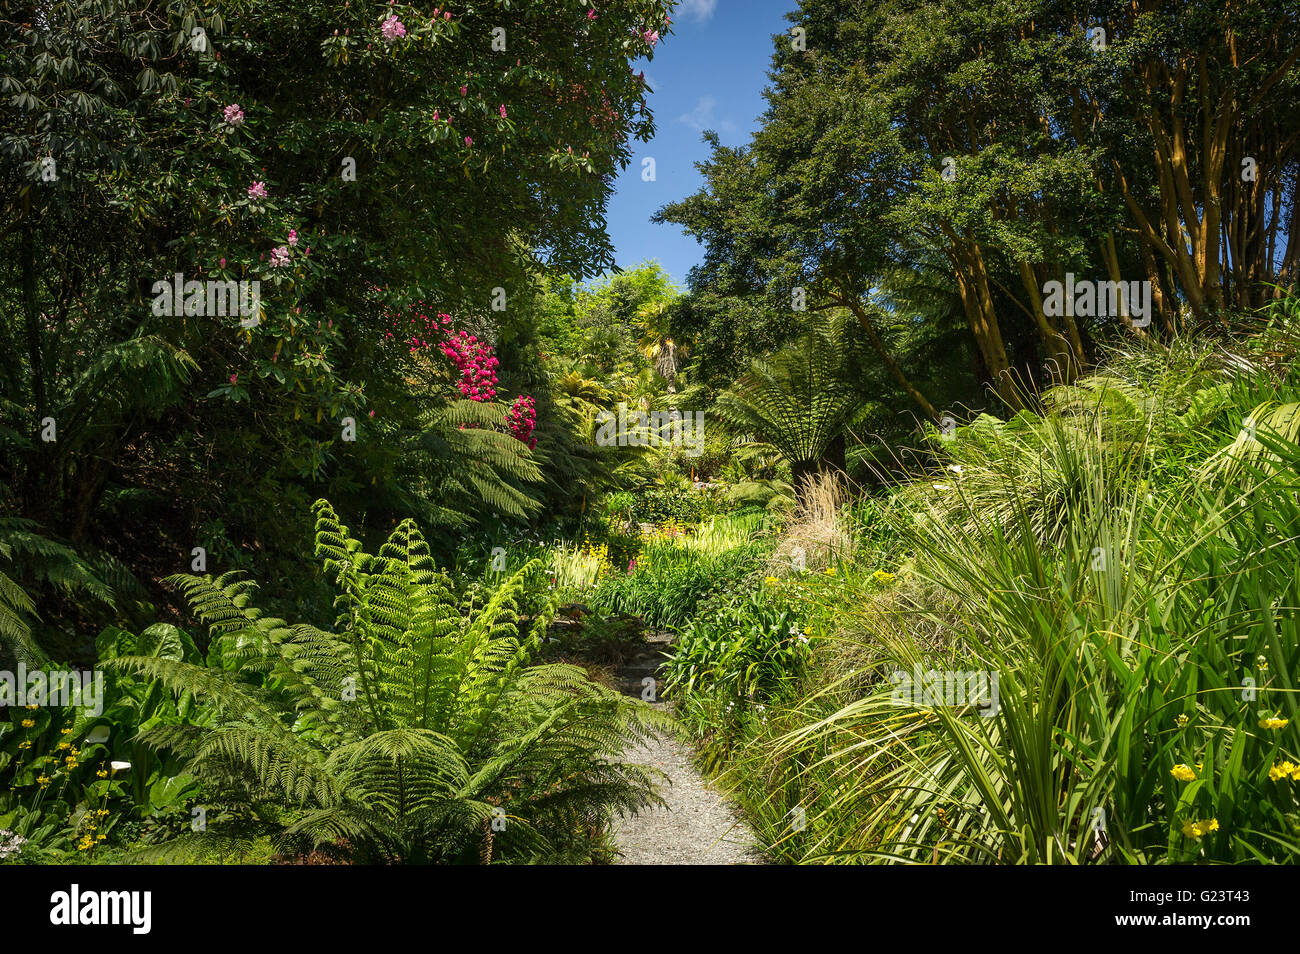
[1135,599]
[409,731]
[933,570]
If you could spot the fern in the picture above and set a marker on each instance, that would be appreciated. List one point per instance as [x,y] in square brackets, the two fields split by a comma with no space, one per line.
[31,556]
[801,398]
[411,730]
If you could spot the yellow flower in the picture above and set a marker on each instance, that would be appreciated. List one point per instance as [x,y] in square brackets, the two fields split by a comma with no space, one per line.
[1182,773]
[771,581]
[25,744]
[64,745]
[70,762]
[28,723]
[33,706]
[1196,829]
[1273,723]
[102,773]
[64,731]
[883,577]
[1283,770]
[100,837]
[43,780]
[830,571]
[1181,721]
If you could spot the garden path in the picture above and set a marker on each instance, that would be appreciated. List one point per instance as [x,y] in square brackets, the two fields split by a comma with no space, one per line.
[697,826]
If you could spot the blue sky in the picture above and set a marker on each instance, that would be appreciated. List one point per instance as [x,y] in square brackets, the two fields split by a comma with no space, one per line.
[708,74]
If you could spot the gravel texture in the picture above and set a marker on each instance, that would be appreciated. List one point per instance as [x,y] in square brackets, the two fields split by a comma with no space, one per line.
[697,826]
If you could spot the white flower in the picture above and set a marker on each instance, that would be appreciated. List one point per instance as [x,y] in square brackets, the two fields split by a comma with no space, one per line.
[98,734]
[10,843]
[120,766]
[955,468]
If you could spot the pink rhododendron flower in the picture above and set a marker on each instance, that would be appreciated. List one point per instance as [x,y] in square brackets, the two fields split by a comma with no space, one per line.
[469,141]
[591,14]
[293,237]
[257,190]
[651,36]
[234,378]
[234,116]
[392,29]
[221,263]
[522,418]
[503,112]
[279,256]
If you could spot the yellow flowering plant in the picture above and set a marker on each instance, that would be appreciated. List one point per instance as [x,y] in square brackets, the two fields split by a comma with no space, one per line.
[57,782]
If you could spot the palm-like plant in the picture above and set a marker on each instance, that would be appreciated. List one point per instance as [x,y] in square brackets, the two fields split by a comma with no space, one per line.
[411,730]
[658,346]
[800,399]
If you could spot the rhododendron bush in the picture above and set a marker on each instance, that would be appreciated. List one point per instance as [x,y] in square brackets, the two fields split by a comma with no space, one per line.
[349,157]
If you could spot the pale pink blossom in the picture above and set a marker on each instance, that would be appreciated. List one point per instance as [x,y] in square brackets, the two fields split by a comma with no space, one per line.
[392,29]
[257,190]
[279,256]
[234,116]
[293,237]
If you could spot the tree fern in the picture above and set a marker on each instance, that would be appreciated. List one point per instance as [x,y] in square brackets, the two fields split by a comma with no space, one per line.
[410,730]
[798,400]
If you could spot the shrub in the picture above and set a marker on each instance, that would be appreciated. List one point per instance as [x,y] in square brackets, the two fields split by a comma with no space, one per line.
[409,730]
[1144,636]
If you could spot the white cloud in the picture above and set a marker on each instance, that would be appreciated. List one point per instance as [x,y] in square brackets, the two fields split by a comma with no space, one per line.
[697,9]
[703,117]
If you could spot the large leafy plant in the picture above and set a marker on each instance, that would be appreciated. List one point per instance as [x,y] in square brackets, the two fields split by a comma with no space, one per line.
[409,730]
[79,779]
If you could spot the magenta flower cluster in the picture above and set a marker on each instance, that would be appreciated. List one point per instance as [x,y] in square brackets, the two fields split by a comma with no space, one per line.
[473,359]
[522,418]
[476,363]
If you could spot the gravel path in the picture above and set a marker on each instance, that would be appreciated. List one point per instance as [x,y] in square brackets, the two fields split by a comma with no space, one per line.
[697,826]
